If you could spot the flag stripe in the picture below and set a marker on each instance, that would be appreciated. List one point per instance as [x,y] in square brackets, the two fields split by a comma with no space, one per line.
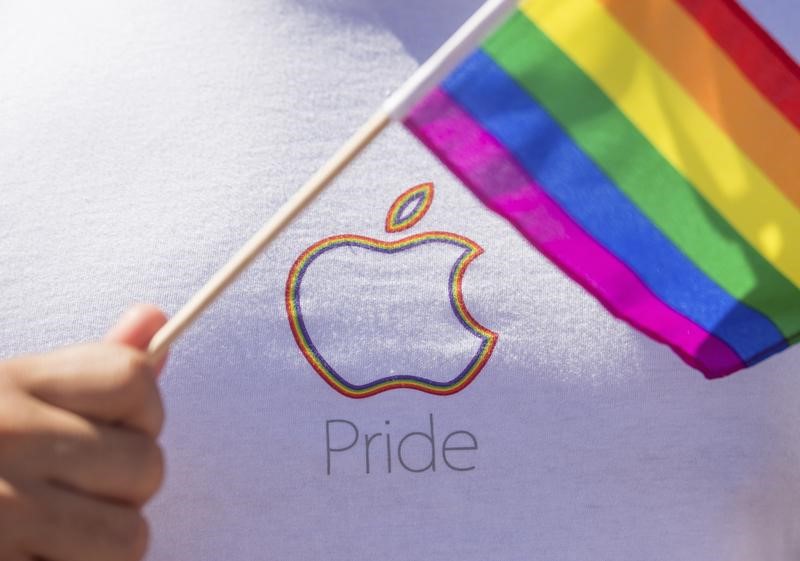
[593,201]
[497,179]
[674,124]
[685,50]
[758,56]
[638,170]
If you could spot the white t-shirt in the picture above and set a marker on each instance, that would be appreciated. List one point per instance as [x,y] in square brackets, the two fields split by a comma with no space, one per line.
[142,142]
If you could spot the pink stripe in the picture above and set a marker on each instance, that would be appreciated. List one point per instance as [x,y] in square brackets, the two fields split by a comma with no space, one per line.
[493,174]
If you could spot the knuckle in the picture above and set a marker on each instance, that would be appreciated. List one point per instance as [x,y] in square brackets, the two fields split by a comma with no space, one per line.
[14,370]
[131,536]
[10,416]
[7,373]
[17,422]
[140,471]
[157,467]
[157,412]
[15,507]
[11,399]
[133,375]
[140,364]
[136,369]
[152,472]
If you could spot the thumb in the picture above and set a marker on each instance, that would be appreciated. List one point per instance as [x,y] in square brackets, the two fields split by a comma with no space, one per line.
[137,326]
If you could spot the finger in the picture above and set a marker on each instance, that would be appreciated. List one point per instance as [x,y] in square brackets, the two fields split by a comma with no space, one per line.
[108,461]
[136,327]
[68,526]
[100,460]
[105,382]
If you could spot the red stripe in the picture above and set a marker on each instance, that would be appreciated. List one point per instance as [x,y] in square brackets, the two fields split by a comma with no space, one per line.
[753,50]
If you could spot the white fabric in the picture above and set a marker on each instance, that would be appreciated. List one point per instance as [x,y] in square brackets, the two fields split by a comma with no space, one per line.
[142,142]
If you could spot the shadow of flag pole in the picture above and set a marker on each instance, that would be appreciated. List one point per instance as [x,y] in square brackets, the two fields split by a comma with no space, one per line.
[461,43]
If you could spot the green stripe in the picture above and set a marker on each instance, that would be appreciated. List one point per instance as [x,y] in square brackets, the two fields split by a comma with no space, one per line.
[655,187]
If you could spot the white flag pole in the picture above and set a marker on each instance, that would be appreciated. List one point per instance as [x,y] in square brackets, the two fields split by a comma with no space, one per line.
[395,107]
[447,57]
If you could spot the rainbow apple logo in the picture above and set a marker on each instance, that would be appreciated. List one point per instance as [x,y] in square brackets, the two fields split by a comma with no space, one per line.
[407,211]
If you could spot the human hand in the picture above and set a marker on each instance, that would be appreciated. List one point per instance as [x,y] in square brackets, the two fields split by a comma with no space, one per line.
[78,450]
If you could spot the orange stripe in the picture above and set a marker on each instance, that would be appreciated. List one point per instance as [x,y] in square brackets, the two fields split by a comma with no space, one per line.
[683,48]
[762,59]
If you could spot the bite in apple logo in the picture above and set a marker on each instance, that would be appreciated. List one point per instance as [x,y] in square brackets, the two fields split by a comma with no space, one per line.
[406,211]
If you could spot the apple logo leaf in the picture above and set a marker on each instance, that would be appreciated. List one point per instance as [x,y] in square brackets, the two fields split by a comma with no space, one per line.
[409,208]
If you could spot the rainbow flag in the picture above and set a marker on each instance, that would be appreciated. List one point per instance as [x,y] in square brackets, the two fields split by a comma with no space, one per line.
[651,149]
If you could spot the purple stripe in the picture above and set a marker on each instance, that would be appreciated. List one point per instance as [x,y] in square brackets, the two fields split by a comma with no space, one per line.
[493,174]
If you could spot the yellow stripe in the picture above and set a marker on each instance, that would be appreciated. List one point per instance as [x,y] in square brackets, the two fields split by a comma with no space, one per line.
[675,125]
[680,44]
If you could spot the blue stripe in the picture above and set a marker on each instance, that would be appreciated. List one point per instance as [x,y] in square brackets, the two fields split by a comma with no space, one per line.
[584,192]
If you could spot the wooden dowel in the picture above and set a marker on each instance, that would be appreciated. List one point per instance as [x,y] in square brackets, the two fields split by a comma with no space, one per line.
[239,262]
[444,59]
